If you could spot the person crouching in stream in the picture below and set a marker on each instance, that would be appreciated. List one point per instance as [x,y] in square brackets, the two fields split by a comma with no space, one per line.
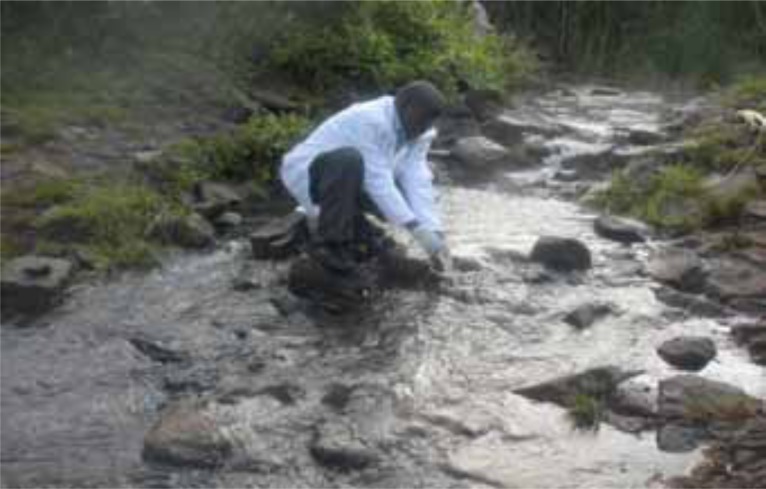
[369,158]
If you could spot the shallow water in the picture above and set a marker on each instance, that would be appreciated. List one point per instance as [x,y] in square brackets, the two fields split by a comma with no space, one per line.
[430,372]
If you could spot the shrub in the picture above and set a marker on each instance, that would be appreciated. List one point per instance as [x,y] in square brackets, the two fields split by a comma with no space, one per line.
[748,93]
[586,412]
[383,44]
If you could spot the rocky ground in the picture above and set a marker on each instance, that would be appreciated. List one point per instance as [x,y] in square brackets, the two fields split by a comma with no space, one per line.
[210,372]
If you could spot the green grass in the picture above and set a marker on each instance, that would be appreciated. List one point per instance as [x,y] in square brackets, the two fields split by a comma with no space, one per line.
[108,221]
[748,93]
[586,412]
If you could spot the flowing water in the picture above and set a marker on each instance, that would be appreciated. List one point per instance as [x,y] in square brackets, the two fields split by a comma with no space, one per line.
[425,378]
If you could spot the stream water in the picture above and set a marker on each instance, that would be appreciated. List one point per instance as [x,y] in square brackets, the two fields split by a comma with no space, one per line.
[424,378]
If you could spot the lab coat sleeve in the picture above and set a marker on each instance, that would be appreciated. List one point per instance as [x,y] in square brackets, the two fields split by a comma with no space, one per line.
[416,182]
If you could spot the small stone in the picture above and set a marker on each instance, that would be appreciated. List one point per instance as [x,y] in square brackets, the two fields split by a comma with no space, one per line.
[562,254]
[186,436]
[587,314]
[622,230]
[688,352]
[336,446]
[33,284]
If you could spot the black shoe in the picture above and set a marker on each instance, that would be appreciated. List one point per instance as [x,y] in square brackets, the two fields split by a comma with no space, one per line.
[372,242]
[335,258]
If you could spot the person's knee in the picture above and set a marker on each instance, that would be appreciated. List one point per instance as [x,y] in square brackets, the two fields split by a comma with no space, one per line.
[349,160]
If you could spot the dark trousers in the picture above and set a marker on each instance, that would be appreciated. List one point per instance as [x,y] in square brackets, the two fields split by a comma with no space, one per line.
[336,185]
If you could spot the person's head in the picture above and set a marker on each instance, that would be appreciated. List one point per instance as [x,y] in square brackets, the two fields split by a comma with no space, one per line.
[418,104]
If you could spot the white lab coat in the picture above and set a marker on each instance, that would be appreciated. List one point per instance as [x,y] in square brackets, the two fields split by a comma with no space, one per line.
[399,182]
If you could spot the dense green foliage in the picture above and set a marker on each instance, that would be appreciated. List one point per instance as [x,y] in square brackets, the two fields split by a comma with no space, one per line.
[710,41]
[384,44]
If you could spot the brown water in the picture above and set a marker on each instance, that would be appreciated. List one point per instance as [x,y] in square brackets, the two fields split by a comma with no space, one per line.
[429,373]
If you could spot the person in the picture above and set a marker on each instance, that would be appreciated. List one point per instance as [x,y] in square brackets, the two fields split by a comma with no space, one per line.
[370,157]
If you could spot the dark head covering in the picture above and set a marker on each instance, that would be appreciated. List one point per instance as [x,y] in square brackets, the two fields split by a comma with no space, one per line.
[419,104]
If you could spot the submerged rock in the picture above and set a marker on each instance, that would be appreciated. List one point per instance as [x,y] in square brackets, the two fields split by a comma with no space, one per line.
[184,435]
[335,445]
[562,254]
[587,314]
[688,352]
[619,229]
[33,284]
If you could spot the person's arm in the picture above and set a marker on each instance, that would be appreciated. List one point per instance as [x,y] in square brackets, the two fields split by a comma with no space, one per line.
[416,182]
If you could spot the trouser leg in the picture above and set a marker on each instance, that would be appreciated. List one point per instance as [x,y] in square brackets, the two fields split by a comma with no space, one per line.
[335,185]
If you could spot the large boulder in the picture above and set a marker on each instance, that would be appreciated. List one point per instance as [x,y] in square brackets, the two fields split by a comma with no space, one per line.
[185,435]
[695,399]
[619,229]
[455,123]
[753,336]
[736,279]
[678,268]
[33,284]
[688,352]
[190,231]
[562,254]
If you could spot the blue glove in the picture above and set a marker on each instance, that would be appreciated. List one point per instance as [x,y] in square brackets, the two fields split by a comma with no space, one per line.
[431,241]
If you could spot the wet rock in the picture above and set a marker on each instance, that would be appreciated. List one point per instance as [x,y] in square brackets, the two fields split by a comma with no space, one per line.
[562,254]
[757,350]
[676,438]
[484,103]
[512,124]
[191,231]
[286,393]
[195,379]
[566,175]
[732,186]
[593,166]
[215,198]
[693,304]
[337,396]
[587,314]
[696,399]
[331,291]
[33,284]
[336,445]
[457,122]
[744,333]
[681,269]
[184,435]
[755,211]
[157,350]
[605,92]
[279,238]
[641,137]
[735,279]
[688,352]
[228,220]
[622,230]
[479,153]
[635,397]
[629,424]
[599,382]
[502,132]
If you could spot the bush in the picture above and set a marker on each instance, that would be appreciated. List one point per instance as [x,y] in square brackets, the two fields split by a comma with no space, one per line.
[586,412]
[384,44]
[251,151]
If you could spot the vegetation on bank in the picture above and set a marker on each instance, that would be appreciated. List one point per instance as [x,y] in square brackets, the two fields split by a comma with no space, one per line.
[691,193]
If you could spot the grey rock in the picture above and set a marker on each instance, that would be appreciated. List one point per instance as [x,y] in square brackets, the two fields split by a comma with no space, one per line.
[184,435]
[215,198]
[484,103]
[688,352]
[681,269]
[641,137]
[273,100]
[605,92]
[736,279]
[562,254]
[526,125]
[746,332]
[696,399]
[675,438]
[619,229]
[457,122]
[228,220]
[479,152]
[566,175]
[279,238]
[191,231]
[502,132]
[635,397]
[33,284]
[598,382]
[147,157]
[336,445]
[593,166]
[692,304]
[157,350]
[587,314]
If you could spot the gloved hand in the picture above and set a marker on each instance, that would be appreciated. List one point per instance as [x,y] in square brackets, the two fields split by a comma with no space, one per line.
[431,241]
